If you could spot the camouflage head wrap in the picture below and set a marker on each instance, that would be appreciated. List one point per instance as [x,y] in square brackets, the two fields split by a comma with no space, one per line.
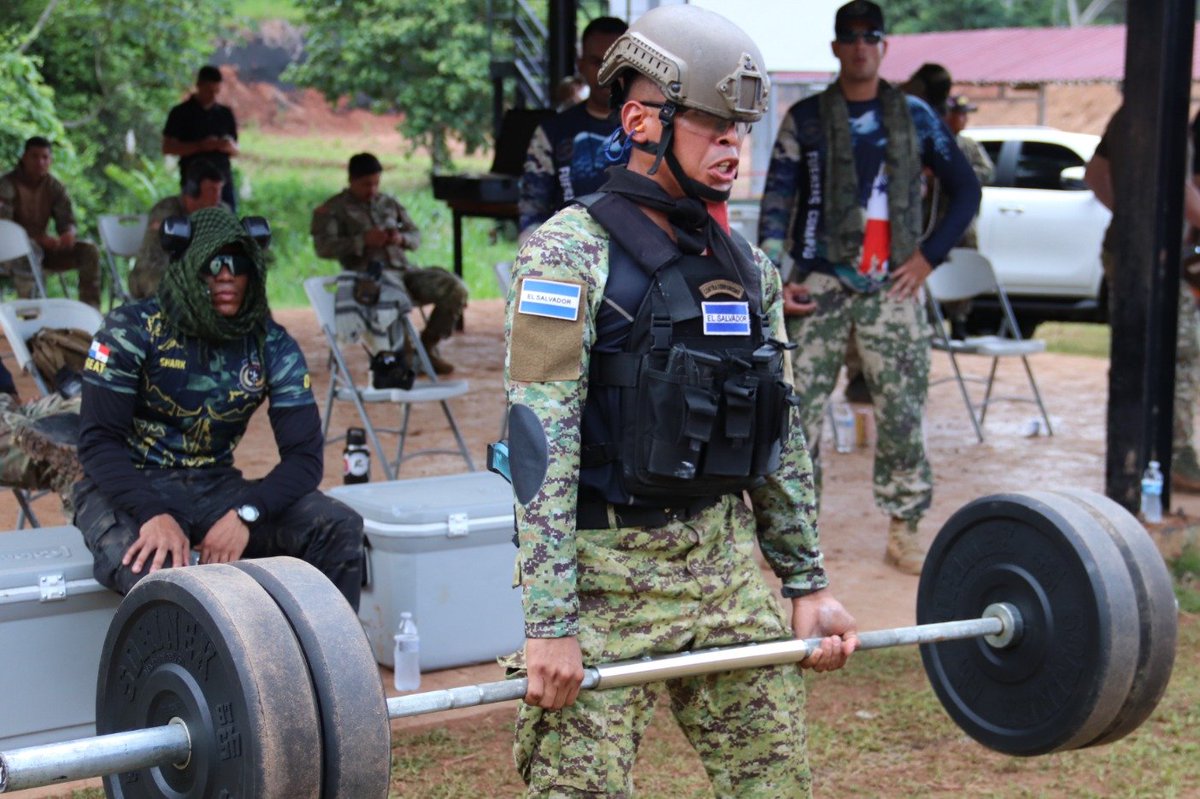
[184,294]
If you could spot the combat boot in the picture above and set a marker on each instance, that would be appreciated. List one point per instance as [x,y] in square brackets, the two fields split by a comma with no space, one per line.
[1185,473]
[440,365]
[904,550]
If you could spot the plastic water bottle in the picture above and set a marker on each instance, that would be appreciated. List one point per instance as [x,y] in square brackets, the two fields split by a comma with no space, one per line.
[1152,487]
[407,655]
[843,427]
[356,458]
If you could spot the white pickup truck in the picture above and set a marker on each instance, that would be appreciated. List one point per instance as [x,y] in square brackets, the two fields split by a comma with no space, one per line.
[1040,226]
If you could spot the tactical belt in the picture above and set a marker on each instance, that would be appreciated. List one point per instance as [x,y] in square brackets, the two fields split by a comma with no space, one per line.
[593,515]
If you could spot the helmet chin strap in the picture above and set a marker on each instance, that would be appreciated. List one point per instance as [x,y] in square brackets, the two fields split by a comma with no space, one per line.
[662,149]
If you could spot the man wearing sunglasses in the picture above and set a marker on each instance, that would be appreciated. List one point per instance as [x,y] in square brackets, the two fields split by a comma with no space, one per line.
[170,385]
[647,392]
[841,216]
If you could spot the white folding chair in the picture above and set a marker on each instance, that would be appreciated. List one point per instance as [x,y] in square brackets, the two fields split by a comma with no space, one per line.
[15,244]
[965,275]
[20,319]
[122,236]
[343,387]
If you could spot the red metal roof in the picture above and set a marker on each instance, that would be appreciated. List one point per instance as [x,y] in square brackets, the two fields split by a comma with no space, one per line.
[1086,54]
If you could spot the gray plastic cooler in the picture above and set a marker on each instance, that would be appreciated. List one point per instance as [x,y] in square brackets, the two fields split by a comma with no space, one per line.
[53,619]
[440,547]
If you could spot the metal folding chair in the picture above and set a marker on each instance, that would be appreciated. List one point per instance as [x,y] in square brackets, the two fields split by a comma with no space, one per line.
[965,275]
[343,386]
[15,244]
[122,238]
[20,319]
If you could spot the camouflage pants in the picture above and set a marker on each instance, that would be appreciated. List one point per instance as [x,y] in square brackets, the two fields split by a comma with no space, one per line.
[432,284]
[688,585]
[1187,368]
[317,529]
[17,469]
[83,257]
[893,340]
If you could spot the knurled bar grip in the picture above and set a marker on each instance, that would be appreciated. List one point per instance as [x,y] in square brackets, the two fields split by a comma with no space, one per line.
[36,766]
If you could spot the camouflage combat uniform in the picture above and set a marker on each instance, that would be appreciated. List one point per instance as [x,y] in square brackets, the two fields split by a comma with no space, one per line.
[892,336]
[192,401]
[337,229]
[634,591]
[17,468]
[566,159]
[33,208]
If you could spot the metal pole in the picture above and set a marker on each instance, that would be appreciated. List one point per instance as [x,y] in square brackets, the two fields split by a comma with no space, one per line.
[999,621]
[35,766]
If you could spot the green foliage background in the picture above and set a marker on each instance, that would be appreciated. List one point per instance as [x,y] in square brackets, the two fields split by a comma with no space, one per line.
[427,59]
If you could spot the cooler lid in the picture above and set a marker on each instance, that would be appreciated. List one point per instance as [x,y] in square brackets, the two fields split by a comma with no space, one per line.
[26,555]
[429,500]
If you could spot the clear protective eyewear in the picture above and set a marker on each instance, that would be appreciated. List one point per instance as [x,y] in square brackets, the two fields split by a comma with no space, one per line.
[706,124]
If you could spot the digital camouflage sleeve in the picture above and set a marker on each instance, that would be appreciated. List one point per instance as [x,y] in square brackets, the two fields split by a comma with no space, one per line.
[550,379]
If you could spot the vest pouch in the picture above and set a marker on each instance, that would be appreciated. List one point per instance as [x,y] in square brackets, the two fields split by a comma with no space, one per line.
[675,414]
[774,410]
[732,453]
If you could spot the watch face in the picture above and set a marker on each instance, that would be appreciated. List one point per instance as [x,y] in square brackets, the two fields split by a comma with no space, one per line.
[248,514]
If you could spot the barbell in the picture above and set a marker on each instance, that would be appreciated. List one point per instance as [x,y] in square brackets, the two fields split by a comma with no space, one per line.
[1047,622]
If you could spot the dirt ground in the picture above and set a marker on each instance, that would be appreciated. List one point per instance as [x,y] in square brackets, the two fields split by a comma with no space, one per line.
[852,529]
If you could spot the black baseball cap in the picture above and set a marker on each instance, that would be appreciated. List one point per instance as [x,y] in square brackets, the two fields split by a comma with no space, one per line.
[857,11]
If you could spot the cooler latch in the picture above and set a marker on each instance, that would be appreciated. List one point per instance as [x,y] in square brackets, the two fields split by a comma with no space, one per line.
[458,525]
[52,587]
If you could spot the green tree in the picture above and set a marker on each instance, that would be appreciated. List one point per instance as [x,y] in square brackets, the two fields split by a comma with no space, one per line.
[428,60]
[111,69]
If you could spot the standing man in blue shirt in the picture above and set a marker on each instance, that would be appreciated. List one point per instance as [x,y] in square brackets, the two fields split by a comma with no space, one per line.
[841,216]
[566,157]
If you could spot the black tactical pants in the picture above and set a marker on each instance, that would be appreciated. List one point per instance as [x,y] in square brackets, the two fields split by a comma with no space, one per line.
[317,529]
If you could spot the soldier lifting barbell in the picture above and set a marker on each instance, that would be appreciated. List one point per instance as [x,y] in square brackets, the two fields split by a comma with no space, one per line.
[1047,623]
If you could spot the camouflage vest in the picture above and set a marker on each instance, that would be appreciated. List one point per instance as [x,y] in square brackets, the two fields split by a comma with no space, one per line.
[686,397]
[845,217]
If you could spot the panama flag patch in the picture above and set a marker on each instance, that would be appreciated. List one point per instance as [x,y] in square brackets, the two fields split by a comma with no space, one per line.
[550,298]
[98,352]
[726,318]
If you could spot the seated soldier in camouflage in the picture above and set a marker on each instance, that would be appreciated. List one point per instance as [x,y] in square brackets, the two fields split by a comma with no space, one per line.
[169,388]
[201,189]
[57,467]
[360,226]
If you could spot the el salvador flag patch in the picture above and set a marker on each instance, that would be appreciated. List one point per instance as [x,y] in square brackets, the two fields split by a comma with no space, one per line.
[550,298]
[98,352]
[726,318]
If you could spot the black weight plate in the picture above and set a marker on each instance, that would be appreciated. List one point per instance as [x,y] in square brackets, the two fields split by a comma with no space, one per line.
[1063,682]
[1156,608]
[355,729]
[207,645]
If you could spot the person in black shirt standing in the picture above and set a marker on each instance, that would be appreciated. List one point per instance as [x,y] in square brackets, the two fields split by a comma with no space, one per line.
[201,128]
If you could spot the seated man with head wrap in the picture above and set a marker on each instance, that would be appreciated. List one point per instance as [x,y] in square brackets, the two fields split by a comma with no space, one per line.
[169,388]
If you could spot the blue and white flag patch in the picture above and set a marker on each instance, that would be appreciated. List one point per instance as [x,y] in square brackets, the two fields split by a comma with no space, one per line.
[726,318]
[550,298]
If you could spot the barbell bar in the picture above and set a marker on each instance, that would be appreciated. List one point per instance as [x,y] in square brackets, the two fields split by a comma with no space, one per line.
[1046,622]
[170,743]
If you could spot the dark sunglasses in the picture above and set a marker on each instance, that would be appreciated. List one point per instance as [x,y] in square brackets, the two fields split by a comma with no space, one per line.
[850,37]
[236,264]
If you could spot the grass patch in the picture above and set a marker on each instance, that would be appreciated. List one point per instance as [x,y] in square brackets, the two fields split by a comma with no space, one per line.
[1075,338]
[1186,570]
[289,176]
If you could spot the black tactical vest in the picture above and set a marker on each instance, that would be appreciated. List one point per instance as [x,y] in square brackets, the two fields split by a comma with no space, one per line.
[686,397]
